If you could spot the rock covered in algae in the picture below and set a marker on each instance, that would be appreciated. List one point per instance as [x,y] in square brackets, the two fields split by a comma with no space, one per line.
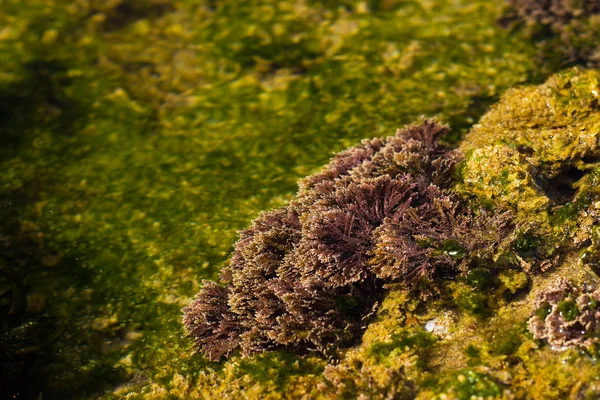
[536,152]
[306,276]
[556,125]
[501,172]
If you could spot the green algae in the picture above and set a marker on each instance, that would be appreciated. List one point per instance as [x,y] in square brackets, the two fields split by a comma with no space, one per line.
[469,384]
[482,291]
[470,300]
[551,124]
[568,309]
[543,311]
[564,31]
[134,143]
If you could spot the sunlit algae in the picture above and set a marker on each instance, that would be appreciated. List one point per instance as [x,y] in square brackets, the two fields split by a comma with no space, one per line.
[307,276]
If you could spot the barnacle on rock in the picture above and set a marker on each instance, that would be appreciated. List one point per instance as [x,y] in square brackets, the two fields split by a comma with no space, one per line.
[567,316]
[304,276]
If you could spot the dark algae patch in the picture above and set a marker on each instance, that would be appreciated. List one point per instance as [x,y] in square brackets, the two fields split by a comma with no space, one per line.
[150,149]
[565,31]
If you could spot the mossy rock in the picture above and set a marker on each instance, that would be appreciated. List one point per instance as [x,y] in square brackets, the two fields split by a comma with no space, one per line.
[536,152]
[554,126]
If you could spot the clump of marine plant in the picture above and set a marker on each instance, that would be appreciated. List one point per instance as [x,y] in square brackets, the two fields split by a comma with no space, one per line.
[566,30]
[555,12]
[306,277]
[567,316]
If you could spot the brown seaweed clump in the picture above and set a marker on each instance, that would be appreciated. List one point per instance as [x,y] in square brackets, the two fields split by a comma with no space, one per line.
[554,12]
[567,316]
[566,31]
[306,276]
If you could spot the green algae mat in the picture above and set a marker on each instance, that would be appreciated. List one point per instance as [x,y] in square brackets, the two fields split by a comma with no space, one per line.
[138,138]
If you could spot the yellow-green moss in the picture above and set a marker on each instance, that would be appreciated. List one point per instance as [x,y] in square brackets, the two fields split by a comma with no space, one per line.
[535,153]
[513,280]
[499,174]
[553,125]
